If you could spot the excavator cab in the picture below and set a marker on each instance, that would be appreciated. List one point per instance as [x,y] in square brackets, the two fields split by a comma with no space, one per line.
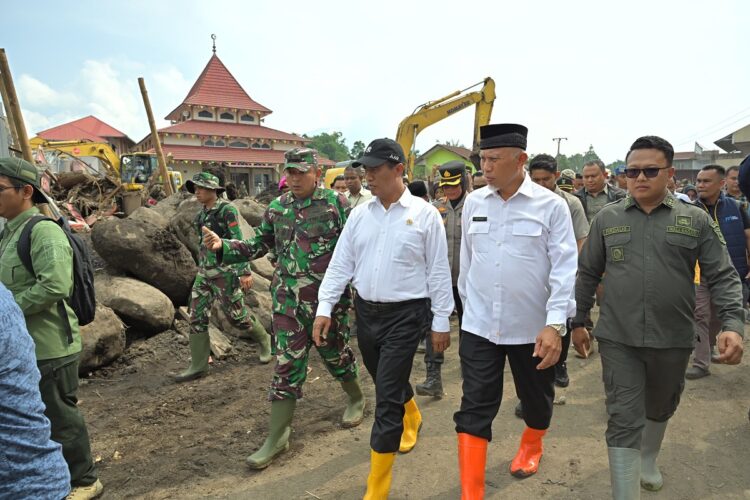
[136,169]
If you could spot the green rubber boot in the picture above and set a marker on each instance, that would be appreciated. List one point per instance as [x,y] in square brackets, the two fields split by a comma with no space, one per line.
[624,472]
[259,334]
[277,441]
[651,438]
[355,409]
[200,349]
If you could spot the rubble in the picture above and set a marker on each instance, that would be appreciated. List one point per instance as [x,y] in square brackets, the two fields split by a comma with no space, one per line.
[103,340]
[251,210]
[150,216]
[144,309]
[151,254]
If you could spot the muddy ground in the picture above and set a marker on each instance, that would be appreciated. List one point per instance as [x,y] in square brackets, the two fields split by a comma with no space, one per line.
[155,439]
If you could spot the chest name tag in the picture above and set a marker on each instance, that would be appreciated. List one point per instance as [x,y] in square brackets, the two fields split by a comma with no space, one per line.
[479,219]
[687,231]
[615,230]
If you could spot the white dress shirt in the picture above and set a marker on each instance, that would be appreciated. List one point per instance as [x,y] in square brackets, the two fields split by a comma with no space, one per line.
[391,256]
[518,263]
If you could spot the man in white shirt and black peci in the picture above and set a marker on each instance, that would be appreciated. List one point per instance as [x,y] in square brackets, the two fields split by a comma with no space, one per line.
[518,268]
[393,249]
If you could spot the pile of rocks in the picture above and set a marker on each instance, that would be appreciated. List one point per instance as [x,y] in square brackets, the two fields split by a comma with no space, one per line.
[149,267]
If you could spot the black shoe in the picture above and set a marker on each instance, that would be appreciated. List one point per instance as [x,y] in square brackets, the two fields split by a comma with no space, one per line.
[561,375]
[433,384]
[519,410]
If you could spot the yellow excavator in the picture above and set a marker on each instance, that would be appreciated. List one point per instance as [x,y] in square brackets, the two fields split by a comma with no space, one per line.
[132,169]
[432,112]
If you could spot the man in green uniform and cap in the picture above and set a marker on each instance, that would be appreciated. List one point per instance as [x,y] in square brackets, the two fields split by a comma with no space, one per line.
[301,228]
[215,280]
[643,248]
[39,295]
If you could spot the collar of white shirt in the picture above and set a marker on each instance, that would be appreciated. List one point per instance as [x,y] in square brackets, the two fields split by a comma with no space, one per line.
[405,200]
[526,188]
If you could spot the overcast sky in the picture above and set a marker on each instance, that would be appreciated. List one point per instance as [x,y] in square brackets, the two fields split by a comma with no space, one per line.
[596,72]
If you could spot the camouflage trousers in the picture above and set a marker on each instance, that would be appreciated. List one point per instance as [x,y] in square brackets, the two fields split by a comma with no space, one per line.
[292,337]
[226,287]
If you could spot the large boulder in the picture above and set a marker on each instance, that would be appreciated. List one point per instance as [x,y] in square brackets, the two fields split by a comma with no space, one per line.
[150,216]
[251,210]
[168,206]
[142,307]
[103,340]
[150,254]
[263,267]
[182,224]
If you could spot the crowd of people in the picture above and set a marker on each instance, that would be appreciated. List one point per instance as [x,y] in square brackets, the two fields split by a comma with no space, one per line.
[518,250]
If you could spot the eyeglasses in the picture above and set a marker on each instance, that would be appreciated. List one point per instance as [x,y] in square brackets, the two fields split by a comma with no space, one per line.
[3,188]
[649,172]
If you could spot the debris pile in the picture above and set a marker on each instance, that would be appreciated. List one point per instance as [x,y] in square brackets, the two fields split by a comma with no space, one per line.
[147,267]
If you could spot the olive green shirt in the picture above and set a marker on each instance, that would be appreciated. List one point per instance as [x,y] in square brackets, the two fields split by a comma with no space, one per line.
[52,259]
[594,204]
[646,263]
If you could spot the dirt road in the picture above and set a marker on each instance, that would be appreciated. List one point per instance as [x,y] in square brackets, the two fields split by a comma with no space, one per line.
[159,440]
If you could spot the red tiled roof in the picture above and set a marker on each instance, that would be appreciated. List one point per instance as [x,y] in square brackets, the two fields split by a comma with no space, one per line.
[217,87]
[230,155]
[90,127]
[199,127]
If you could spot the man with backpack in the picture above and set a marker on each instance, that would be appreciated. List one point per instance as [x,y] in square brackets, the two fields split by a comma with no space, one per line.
[44,295]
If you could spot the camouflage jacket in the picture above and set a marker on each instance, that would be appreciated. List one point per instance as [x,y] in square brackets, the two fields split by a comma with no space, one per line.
[302,235]
[223,219]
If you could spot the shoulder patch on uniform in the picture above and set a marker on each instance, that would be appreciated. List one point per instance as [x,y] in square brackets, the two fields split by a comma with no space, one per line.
[615,230]
[718,232]
[687,231]
[683,220]
[628,201]
[669,201]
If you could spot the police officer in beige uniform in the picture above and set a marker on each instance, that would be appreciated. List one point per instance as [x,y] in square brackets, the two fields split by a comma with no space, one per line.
[643,249]
[453,181]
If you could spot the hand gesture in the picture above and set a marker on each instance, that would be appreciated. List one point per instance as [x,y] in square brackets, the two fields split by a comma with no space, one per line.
[548,347]
[246,282]
[581,341]
[730,347]
[440,341]
[321,325]
[211,240]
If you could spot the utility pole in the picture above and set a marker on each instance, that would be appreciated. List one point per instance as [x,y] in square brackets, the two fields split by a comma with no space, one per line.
[559,140]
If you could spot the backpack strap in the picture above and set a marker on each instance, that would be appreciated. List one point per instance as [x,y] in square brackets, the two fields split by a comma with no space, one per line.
[24,254]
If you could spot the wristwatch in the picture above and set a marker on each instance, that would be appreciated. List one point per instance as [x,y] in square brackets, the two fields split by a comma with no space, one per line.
[559,328]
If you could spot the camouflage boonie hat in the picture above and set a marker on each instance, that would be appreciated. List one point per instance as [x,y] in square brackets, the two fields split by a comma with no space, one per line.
[301,159]
[205,180]
[568,174]
[24,172]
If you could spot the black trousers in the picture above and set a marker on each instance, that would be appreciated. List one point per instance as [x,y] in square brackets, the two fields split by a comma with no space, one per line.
[437,358]
[388,335]
[482,363]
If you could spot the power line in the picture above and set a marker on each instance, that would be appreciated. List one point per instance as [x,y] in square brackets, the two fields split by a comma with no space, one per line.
[718,125]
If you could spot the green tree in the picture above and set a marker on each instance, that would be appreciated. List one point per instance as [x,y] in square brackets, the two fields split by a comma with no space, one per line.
[590,155]
[332,146]
[358,149]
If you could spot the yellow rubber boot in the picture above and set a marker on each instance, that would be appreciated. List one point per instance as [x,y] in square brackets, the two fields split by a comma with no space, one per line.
[381,473]
[412,426]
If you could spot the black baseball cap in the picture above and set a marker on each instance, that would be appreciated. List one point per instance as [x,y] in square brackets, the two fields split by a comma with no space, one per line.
[380,151]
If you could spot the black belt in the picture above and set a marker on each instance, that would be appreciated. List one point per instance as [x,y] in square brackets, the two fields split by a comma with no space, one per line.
[388,306]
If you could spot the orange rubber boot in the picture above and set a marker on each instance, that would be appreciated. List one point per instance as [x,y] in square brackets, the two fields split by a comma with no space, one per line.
[472,458]
[526,461]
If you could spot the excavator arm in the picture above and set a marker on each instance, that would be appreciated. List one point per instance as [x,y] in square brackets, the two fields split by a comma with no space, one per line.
[433,111]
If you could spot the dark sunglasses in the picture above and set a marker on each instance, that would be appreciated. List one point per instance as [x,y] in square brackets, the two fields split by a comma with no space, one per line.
[649,172]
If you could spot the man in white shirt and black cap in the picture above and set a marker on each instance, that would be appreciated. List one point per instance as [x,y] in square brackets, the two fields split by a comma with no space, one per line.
[518,267]
[393,249]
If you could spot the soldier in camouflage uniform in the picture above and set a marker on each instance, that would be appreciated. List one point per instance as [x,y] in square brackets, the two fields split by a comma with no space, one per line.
[226,283]
[300,229]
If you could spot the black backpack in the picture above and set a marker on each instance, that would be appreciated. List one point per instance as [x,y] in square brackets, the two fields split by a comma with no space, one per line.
[83,299]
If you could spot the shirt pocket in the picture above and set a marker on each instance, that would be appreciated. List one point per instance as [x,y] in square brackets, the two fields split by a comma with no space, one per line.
[526,238]
[687,246]
[410,250]
[479,236]
[618,247]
